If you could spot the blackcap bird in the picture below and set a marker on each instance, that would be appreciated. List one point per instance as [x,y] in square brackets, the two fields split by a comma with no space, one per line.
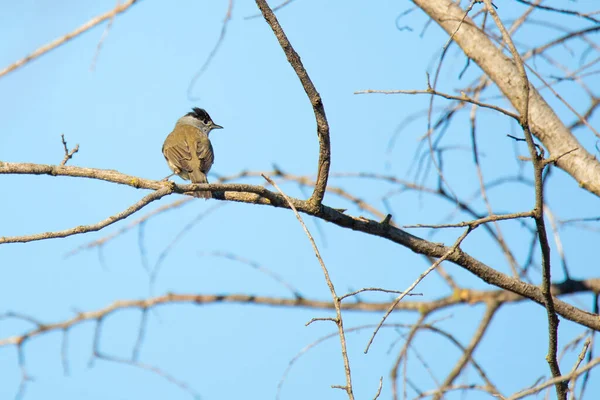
[188,150]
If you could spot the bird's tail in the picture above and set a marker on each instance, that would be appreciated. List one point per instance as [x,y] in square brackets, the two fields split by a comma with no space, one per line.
[198,176]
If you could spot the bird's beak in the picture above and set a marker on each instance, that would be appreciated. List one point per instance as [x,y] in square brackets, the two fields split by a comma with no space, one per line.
[215,126]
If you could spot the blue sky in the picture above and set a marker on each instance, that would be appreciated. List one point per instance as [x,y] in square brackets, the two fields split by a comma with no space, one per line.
[121,111]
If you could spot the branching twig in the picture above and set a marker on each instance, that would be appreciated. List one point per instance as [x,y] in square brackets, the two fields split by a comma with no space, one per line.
[212,53]
[538,168]
[158,194]
[64,39]
[415,283]
[548,127]
[336,300]
[134,223]
[556,380]
[466,296]
[68,154]
[253,194]
[477,222]
[462,98]
[484,324]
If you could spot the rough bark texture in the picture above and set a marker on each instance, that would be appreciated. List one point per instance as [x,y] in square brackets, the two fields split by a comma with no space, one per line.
[547,127]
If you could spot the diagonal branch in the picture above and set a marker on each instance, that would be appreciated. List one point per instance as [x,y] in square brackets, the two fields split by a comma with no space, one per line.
[336,299]
[120,8]
[544,122]
[156,195]
[415,283]
[484,324]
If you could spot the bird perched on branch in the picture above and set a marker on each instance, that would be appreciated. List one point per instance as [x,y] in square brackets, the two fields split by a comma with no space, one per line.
[188,150]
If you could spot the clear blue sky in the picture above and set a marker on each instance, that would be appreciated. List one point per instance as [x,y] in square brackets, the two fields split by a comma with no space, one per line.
[121,111]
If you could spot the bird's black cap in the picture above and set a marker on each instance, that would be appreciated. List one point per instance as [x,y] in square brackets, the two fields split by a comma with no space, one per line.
[201,114]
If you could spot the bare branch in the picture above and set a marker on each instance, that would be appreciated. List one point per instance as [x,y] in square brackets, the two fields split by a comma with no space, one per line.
[315,100]
[336,300]
[538,211]
[134,223]
[259,195]
[462,98]
[150,368]
[468,353]
[561,11]
[415,283]
[158,194]
[546,125]
[120,8]
[68,154]
[556,380]
[212,53]
[477,222]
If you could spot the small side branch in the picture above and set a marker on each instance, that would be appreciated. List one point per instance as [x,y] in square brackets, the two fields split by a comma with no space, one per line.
[462,98]
[336,300]
[68,153]
[91,228]
[537,159]
[415,283]
[120,8]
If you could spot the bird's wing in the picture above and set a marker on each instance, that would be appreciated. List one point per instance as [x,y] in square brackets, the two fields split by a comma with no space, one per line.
[178,154]
[205,153]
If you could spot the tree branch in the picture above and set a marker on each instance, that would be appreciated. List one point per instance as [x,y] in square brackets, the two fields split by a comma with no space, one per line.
[315,100]
[336,299]
[259,195]
[156,195]
[545,124]
[120,8]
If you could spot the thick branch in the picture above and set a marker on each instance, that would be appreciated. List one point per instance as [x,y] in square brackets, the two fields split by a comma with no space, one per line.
[259,195]
[546,125]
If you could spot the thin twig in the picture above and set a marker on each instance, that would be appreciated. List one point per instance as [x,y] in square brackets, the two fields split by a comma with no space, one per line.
[64,39]
[477,222]
[212,53]
[158,194]
[556,380]
[102,39]
[336,300]
[275,9]
[373,289]
[484,192]
[561,11]
[253,264]
[134,223]
[462,98]
[379,388]
[484,324]
[68,154]
[415,283]
[538,168]
[580,358]
[150,368]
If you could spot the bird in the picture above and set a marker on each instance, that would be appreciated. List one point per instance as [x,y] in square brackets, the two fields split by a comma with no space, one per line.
[188,150]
